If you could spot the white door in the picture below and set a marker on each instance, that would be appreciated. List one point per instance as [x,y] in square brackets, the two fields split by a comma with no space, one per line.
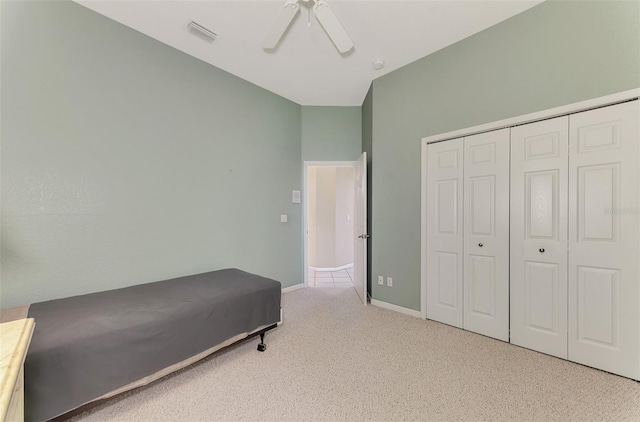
[486,234]
[539,185]
[444,231]
[604,239]
[360,229]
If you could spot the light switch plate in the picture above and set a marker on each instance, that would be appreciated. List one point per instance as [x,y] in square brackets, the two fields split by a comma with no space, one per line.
[295,196]
[283,218]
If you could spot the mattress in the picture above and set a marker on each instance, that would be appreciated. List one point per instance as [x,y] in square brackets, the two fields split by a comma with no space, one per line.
[85,347]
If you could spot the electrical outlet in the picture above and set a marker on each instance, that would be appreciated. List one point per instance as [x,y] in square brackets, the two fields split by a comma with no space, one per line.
[381,280]
[389,282]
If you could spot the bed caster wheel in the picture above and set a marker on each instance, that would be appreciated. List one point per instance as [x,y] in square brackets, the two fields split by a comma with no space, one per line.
[262,347]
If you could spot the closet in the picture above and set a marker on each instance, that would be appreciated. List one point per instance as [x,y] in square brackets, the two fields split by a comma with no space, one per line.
[539,233]
[468,242]
[533,236]
[486,237]
[604,238]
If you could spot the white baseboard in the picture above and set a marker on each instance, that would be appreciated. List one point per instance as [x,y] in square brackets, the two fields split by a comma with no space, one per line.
[343,267]
[392,307]
[292,288]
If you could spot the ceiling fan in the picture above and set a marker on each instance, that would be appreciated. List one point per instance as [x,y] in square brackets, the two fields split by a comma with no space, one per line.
[325,16]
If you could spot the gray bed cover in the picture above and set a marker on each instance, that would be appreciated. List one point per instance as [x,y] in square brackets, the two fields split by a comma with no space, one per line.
[86,346]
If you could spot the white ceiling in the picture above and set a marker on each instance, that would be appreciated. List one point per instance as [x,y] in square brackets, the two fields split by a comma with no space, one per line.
[306,68]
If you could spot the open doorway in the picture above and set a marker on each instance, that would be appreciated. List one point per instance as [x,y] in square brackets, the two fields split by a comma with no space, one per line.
[330,224]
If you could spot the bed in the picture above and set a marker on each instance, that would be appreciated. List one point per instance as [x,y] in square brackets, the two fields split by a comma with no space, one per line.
[91,347]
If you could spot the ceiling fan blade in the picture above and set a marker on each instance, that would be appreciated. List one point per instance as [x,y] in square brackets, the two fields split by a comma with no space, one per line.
[280,25]
[332,26]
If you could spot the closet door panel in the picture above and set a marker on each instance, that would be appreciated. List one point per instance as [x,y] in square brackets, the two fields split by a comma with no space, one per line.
[604,239]
[486,241]
[539,189]
[445,231]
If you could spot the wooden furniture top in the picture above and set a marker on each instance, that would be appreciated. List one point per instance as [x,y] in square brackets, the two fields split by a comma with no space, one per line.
[14,342]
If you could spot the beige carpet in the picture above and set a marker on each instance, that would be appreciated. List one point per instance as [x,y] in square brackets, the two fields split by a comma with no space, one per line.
[336,360]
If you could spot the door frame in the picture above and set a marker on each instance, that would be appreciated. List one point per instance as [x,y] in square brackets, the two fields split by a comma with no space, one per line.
[499,124]
[305,207]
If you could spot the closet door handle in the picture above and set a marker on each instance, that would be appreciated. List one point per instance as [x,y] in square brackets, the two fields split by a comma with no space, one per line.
[480,244]
[541,250]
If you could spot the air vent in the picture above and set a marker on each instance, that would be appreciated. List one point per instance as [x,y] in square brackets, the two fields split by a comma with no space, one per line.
[201,32]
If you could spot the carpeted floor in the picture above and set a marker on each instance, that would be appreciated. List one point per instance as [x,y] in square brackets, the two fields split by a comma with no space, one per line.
[335,360]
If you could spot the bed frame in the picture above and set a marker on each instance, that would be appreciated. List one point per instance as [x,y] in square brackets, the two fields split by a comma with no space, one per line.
[262,346]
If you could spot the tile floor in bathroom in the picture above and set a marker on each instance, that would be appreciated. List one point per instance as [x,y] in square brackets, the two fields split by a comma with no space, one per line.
[342,278]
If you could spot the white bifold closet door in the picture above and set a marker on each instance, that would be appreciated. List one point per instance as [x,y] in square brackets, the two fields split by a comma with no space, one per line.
[539,185]
[445,231]
[486,234]
[604,239]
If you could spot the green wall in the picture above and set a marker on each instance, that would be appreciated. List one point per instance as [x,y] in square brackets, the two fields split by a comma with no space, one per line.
[125,161]
[556,53]
[331,133]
